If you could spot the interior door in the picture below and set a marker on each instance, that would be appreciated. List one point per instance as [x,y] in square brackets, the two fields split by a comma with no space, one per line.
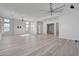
[50,28]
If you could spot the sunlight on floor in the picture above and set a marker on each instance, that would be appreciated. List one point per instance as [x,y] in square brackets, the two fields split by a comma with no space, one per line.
[25,35]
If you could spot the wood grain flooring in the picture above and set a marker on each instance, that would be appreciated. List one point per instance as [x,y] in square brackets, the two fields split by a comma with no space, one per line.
[37,45]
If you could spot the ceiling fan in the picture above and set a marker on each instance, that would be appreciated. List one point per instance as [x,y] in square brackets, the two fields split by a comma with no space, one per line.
[52,10]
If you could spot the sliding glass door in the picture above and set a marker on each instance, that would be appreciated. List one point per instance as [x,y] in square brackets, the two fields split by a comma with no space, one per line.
[30,27]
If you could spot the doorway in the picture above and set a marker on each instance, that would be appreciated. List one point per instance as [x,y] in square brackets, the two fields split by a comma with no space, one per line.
[39,27]
[50,28]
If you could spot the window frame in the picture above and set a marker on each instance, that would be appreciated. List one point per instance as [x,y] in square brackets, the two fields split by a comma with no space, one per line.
[6,28]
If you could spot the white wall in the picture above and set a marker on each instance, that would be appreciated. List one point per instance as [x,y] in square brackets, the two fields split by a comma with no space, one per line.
[69,26]
[19,30]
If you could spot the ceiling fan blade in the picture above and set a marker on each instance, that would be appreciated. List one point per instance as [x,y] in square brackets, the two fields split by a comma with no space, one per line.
[47,12]
[44,10]
[57,11]
[60,10]
[59,7]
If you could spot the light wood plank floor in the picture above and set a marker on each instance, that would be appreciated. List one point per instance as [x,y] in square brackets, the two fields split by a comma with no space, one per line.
[37,45]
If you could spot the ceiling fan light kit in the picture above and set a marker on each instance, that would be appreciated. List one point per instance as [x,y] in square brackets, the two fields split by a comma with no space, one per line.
[72,6]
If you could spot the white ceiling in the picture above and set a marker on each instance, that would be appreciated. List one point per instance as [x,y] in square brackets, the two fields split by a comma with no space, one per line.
[29,11]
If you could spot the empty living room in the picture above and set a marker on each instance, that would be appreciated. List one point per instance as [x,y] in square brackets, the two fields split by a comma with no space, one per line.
[39,29]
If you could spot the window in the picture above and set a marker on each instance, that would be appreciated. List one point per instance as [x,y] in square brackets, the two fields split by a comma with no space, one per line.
[6,25]
[27,26]
[6,20]
[27,22]
[32,26]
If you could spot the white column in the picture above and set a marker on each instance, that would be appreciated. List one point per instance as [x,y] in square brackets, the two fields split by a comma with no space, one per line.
[0,32]
[1,21]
